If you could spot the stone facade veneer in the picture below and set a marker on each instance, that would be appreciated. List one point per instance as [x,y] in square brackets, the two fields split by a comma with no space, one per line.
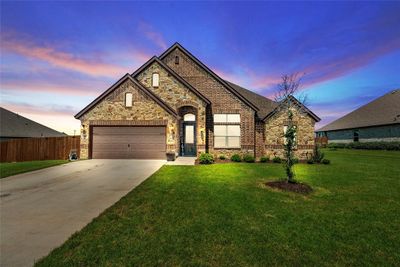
[274,139]
[210,96]
[178,96]
[112,111]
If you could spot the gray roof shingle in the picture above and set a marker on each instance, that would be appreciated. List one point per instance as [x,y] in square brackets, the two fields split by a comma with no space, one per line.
[265,105]
[14,125]
[381,111]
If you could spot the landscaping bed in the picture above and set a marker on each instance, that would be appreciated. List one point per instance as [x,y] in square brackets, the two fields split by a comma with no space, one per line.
[292,187]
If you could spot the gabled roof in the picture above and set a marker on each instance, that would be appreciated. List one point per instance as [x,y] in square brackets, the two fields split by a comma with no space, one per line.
[14,125]
[118,83]
[265,105]
[171,72]
[296,102]
[210,72]
[381,111]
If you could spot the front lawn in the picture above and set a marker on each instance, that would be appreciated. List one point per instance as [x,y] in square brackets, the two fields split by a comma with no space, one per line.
[223,215]
[8,169]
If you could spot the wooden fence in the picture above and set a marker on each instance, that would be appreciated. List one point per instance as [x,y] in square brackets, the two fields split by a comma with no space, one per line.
[322,141]
[43,148]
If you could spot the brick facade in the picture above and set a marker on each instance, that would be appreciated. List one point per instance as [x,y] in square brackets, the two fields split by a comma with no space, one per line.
[222,101]
[200,93]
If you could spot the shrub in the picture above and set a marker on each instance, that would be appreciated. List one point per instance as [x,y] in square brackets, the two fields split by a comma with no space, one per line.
[326,161]
[295,160]
[318,156]
[248,158]
[310,161]
[277,160]
[264,159]
[222,157]
[206,158]
[367,145]
[236,158]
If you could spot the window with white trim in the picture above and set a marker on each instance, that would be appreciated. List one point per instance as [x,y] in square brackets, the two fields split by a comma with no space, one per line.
[128,100]
[155,80]
[227,130]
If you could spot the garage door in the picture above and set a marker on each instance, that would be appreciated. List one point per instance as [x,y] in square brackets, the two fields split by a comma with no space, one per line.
[128,143]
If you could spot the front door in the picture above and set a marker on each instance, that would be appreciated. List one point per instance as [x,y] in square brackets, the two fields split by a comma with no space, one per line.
[189,139]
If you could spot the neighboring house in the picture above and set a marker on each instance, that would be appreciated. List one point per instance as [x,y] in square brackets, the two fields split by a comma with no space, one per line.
[175,103]
[14,126]
[378,120]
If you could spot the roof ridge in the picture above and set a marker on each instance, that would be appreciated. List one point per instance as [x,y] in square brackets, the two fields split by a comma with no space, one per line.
[173,73]
[248,90]
[115,85]
[207,69]
[360,110]
[25,120]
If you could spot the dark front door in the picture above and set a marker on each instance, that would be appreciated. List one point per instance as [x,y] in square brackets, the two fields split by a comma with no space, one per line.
[189,139]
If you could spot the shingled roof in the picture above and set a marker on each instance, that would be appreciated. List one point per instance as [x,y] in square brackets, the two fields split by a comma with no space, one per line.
[265,105]
[14,125]
[382,111]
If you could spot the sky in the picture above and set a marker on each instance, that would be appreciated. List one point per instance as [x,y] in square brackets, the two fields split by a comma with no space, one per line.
[56,57]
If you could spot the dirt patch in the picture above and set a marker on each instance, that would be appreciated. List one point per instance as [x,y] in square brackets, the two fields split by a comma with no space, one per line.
[292,187]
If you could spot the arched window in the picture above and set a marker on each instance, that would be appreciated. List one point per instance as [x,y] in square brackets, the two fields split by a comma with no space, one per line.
[156,79]
[128,100]
[189,117]
[176,60]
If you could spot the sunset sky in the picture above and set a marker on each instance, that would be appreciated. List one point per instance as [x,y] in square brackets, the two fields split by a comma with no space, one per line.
[57,57]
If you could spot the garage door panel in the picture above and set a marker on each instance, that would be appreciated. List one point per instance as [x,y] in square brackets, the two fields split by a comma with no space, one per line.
[122,147]
[128,130]
[108,139]
[129,142]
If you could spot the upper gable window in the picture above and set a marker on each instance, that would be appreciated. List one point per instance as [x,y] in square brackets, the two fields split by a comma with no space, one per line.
[156,80]
[177,60]
[128,100]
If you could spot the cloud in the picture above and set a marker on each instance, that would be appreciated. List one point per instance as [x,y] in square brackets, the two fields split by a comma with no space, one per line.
[51,87]
[90,64]
[49,109]
[152,34]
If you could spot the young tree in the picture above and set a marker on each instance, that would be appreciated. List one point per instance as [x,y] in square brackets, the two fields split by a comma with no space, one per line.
[288,103]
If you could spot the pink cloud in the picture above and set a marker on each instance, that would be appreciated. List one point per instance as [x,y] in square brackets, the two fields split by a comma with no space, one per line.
[62,59]
[49,110]
[72,88]
[93,64]
[153,35]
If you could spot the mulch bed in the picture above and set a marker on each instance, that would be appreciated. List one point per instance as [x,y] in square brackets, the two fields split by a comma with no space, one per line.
[292,187]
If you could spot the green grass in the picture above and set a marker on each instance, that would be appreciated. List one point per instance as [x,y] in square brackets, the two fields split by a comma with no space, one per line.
[8,169]
[222,215]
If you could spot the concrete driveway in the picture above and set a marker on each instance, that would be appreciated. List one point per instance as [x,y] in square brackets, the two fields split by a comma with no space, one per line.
[41,209]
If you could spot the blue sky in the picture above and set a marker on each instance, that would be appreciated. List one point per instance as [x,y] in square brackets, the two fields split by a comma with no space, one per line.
[58,56]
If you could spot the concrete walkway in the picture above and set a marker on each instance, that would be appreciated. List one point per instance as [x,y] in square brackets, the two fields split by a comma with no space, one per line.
[41,209]
[182,161]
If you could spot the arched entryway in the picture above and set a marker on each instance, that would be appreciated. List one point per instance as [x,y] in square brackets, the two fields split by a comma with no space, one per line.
[188,131]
